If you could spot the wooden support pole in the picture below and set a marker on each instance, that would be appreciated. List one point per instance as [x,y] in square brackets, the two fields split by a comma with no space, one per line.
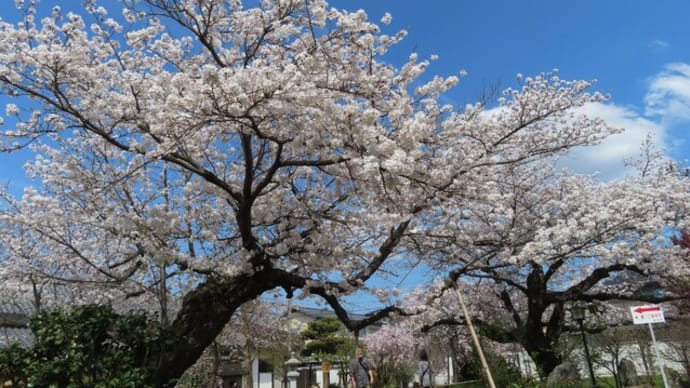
[470,326]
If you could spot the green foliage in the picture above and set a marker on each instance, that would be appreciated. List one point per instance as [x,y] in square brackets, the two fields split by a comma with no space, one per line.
[322,327]
[503,372]
[602,382]
[324,339]
[468,384]
[526,383]
[393,375]
[13,365]
[90,346]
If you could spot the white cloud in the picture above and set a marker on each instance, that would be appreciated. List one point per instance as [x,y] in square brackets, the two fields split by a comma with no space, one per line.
[668,96]
[667,108]
[607,158]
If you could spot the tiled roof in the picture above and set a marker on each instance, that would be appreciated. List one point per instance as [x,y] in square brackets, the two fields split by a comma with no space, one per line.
[14,323]
[14,320]
[15,307]
[323,312]
[9,335]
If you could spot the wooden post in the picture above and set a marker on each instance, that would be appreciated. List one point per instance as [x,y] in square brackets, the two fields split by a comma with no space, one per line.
[326,374]
[475,339]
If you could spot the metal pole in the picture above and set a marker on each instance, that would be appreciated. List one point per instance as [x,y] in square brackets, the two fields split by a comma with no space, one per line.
[474,337]
[658,358]
[589,360]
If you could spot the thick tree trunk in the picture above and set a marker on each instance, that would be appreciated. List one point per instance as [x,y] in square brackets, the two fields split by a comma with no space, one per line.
[545,357]
[539,339]
[204,313]
[541,346]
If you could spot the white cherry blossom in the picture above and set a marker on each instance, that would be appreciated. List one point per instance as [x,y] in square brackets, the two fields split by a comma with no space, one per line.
[193,155]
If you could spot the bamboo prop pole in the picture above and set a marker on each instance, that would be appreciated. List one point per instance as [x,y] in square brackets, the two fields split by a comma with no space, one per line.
[489,377]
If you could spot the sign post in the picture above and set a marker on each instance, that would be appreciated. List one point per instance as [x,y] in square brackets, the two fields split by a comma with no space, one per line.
[649,315]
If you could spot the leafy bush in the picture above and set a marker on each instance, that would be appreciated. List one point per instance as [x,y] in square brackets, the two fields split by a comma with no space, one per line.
[393,374]
[13,365]
[503,372]
[90,346]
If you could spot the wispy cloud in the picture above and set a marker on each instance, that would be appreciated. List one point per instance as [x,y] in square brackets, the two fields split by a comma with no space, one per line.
[668,97]
[658,43]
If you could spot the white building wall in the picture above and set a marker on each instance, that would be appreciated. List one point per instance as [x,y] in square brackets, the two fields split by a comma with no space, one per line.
[333,377]
[265,380]
[631,352]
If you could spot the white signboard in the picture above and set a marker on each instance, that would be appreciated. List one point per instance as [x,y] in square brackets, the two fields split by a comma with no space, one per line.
[647,314]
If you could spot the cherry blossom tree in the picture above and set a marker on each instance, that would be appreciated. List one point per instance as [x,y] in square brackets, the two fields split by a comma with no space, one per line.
[547,239]
[679,350]
[393,349]
[192,155]
[680,282]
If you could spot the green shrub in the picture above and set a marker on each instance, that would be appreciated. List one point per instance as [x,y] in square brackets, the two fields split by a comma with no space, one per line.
[90,346]
[503,372]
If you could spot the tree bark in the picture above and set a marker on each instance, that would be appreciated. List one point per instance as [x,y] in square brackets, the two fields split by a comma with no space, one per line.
[204,313]
[546,358]
[539,341]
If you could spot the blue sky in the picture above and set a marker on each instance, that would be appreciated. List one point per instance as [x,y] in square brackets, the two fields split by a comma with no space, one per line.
[638,51]
[619,42]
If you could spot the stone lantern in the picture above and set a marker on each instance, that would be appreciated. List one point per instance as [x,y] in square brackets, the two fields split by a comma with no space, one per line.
[291,368]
